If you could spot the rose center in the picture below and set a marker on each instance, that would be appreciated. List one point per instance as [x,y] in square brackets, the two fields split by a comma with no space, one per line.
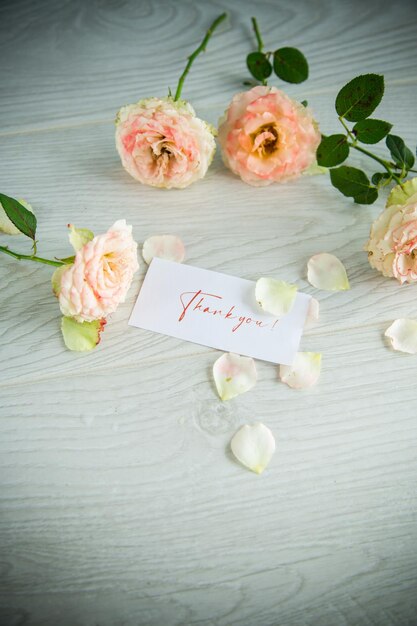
[265,140]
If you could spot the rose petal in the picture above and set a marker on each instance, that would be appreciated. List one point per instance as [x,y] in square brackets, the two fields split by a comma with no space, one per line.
[167,247]
[275,296]
[6,225]
[81,336]
[253,445]
[79,236]
[304,371]
[403,335]
[233,375]
[401,193]
[312,313]
[326,271]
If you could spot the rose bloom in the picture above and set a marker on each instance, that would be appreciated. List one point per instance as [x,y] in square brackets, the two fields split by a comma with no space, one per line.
[98,280]
[392,246]
[163,144]
[266,137]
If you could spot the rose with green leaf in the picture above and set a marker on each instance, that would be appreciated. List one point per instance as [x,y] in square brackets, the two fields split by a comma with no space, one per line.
[89,284]
[355,103]
[265,136]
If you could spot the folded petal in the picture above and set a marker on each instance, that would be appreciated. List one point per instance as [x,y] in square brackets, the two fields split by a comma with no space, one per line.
[81,336]
[312,313]
[326,271]
[275,296]
[403,335]
[253,445]
[233,375]
[167,247]
[304,371]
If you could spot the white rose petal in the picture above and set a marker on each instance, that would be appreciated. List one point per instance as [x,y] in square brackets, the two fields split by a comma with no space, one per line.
[312,313]
[253,445]
[167,247]
[233,375]
[6,225]
[326,271]
[275,296]
[403,335]
[304,371]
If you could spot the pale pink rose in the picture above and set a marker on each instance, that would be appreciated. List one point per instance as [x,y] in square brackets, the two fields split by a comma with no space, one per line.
[392,246]
[98,280]
[162,143]
[266,137]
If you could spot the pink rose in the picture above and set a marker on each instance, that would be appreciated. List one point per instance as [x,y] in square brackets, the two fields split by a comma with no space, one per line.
[162,143]
[266,137]
[100,276]
[392,246]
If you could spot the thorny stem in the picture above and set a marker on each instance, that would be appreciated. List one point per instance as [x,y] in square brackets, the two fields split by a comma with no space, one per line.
[29,257]
[196,52]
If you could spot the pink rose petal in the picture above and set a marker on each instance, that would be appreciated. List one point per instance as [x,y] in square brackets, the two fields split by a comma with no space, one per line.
[168,247]
[233,375]
[304,371]
[326,271]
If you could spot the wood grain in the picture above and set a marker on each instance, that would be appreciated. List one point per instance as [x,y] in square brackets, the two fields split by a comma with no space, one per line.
[120,502]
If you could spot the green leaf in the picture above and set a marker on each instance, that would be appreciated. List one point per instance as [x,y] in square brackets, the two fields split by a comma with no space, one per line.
[24,220]
[304,103]
[332,150]
[290,65]
[81,336]
[258,65]
[353,183]
[379,177]
[371,131]
[401,155]
[56,279]
[360,97]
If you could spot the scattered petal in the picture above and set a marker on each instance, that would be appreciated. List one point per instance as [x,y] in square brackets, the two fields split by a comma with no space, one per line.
[233,375]
[6,225]
[304,371]
[401,193]
[312,313]
[403,335]
[56,279]
[326,271]
[169,247]
[253,445]
[79,236]
[275,296]
[81,336]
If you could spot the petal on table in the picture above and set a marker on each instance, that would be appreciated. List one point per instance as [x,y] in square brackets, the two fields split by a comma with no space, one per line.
[79,236]
[403,335]
[168,247]
[275,296]
[313,312]
[253,445]
[326,271]
[233,375]
[81,337]
[304,371]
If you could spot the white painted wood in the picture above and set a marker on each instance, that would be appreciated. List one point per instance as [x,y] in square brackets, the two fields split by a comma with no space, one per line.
[120,503]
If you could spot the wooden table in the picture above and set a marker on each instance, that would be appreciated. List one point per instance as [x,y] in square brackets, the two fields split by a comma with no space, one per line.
[120,502]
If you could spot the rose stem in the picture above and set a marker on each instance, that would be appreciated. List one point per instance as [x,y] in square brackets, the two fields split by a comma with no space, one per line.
[257,34]
[29,257]
[201,48]
[381,161]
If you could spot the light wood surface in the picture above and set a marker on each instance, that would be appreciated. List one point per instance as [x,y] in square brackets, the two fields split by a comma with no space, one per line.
[120,503]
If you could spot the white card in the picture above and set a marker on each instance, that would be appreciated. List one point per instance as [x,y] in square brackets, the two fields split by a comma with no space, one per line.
[216,310]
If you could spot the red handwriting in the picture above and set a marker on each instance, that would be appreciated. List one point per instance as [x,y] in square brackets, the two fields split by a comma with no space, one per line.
[199,301]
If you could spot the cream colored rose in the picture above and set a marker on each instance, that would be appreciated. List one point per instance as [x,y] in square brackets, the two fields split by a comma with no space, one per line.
[98,280]
[392,245]
[163,144]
